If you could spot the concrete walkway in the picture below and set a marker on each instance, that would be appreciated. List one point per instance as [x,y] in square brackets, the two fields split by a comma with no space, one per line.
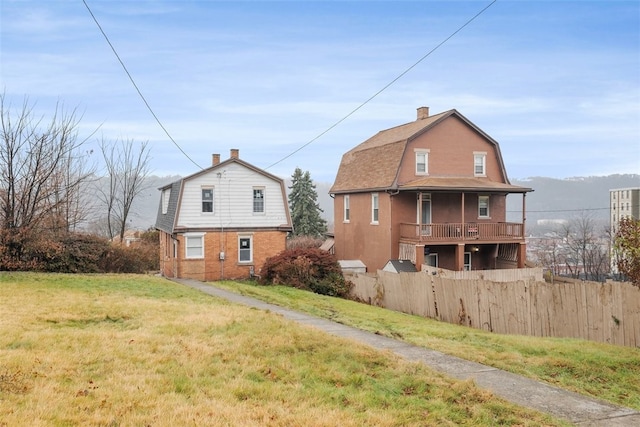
[575,408]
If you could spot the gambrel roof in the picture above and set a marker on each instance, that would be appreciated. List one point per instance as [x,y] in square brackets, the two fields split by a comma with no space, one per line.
[374,164]
[167,221]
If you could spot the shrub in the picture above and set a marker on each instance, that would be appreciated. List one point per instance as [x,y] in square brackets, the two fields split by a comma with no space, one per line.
[74,253]
[77,253]
[310,269]
[304,242]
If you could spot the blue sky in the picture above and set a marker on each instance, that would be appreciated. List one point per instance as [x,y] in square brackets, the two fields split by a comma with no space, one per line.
[556,83]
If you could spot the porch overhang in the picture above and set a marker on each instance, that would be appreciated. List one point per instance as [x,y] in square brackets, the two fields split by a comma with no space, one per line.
[461,184]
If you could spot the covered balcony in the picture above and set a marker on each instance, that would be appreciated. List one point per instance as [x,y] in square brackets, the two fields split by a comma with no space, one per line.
[462,232]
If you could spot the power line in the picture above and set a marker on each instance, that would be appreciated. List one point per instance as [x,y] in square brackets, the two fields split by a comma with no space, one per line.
[566,210]
[385,87]
[136,86]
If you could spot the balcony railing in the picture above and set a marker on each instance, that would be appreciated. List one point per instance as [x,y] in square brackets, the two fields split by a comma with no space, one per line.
[462,231]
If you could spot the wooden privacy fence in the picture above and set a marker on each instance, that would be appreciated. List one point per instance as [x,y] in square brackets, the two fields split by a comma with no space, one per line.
[605,312]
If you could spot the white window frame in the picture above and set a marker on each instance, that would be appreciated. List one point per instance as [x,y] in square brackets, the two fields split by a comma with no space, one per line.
[479,160]
[166,194]
[189,243]
[375,208]
[467,266]
[487,200]
[420,153]
[346,209]
[264,192]
[242,237]
[202,199]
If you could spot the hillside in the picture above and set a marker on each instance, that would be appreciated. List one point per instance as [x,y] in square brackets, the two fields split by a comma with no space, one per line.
[564,199]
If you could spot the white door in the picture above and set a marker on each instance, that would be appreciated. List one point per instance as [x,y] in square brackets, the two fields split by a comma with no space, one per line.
[467,261]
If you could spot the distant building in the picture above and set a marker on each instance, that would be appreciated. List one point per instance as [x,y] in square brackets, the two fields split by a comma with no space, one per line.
[623,203]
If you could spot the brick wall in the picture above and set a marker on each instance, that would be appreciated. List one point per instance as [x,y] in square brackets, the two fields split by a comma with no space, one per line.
[264,244]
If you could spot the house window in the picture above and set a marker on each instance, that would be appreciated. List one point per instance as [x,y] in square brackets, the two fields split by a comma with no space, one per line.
[165,200]
[194,245]
[346,209]
[479,164]
[258,200]
[207,199]
[422,162]
[374,208]
[245,249]
[483,206]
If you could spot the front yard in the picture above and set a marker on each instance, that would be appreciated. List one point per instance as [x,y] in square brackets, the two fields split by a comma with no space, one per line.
[126,350]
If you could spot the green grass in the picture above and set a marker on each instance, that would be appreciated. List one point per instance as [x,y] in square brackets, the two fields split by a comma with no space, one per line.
[607,372]
[137,350]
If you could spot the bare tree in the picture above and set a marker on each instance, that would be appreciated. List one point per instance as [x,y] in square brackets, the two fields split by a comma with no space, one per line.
[127,167]
[587,251]
[40,172]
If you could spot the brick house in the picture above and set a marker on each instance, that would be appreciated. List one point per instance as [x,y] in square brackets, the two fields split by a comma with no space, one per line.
[432,191]
[222,222]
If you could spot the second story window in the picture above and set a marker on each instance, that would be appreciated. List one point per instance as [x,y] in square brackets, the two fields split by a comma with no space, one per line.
[347,213]
[479,164]
[207,200]
[258,200]
[374,208]
[422,162]
[483,206]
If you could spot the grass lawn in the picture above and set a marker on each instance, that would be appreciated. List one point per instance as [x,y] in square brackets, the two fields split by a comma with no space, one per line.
[608,372]
[126,350]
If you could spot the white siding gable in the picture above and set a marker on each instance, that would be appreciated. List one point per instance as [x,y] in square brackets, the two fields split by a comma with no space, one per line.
[233,186]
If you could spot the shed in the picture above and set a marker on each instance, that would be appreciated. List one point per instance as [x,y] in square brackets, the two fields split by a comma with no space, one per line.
[352,266]
[399,265]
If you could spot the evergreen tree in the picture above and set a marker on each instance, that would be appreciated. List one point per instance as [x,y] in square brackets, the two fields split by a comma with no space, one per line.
[303,202]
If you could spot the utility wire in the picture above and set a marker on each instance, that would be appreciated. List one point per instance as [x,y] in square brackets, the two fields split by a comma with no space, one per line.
[567,210]
[136,87]
[385,87]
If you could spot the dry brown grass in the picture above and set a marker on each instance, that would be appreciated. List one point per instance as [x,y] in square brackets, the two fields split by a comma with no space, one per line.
[137,351]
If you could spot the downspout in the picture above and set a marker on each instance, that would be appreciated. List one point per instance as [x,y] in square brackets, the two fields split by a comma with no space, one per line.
[174,256]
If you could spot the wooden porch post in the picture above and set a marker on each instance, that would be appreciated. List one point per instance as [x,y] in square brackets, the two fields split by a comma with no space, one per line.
[524,216]
[462,200]
[419,257]
[522,254]
[420,214]
[522,247]
[460,257]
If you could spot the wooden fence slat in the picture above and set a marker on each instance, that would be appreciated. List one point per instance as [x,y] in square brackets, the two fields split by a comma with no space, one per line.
[607,312]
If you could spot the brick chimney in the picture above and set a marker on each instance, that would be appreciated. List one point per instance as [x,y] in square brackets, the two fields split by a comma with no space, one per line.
[235,153]
[423,113]
[215,159]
